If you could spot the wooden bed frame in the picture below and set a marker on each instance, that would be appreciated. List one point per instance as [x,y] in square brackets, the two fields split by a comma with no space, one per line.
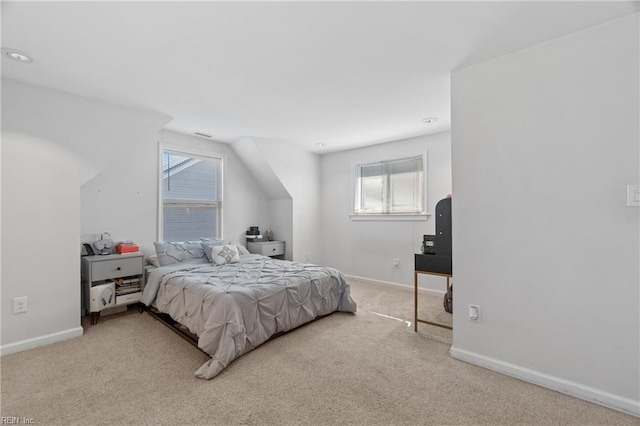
[173,325]
[182,331]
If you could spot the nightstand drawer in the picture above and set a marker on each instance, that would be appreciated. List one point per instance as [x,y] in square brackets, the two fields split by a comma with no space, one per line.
[115,268]
[128,298]
[270,248]
[273,249]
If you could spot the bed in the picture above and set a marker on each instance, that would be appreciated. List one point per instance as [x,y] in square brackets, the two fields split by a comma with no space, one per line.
[236,306]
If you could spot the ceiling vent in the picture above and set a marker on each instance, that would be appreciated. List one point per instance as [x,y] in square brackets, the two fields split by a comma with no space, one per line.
[204,135]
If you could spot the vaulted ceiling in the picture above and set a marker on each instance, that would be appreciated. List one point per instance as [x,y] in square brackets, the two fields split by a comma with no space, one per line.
[342,74]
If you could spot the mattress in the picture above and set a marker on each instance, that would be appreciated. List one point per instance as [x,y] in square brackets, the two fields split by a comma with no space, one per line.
[234,308]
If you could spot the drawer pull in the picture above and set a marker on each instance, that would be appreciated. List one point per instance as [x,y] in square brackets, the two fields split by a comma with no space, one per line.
[118,268]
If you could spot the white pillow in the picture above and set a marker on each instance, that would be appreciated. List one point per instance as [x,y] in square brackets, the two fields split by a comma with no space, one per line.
[241,249]
[208,245]
[224,254]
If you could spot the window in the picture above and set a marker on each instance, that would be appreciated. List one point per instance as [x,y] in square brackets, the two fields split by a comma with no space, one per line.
[395,187]
[191,205]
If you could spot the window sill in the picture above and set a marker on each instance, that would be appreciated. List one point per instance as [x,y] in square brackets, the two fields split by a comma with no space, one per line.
[389,217]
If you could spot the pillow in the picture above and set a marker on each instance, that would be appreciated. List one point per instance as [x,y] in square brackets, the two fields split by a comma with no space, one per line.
[170,253]
[208,244]
[210,240]
[153,260]
[242,249]
[213,242]
[224,254]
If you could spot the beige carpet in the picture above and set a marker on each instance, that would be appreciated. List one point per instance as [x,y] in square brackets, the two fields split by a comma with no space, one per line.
[363,369]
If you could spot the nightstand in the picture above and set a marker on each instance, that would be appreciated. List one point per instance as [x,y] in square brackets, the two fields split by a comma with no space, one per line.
[273,249]
[111,280]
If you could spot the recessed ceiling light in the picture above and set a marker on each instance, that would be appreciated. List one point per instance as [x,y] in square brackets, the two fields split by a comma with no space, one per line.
[16,55]
[321,145]
[430,120]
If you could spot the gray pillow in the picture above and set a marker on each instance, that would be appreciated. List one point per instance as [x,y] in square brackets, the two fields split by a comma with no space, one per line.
[207,244]
[170,253]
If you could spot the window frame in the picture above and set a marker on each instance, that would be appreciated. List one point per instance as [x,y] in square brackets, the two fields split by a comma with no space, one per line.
[179,150]
[389,216]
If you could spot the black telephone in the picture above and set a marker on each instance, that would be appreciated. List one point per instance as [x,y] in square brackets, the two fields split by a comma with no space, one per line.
[88,249]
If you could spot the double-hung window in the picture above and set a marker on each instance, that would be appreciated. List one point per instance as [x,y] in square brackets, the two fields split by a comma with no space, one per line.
[191,196]
[390,188]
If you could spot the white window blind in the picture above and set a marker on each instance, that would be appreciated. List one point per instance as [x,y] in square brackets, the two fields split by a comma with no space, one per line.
[191,196]
[394,187]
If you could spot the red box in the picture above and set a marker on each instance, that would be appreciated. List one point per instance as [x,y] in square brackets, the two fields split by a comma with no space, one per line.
[124,248]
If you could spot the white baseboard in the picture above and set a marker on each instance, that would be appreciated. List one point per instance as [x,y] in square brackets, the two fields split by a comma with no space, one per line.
[390,284]
[40,341]
[557,384]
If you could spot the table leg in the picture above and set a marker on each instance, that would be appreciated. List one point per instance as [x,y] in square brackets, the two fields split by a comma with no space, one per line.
[415,301]
[416,320]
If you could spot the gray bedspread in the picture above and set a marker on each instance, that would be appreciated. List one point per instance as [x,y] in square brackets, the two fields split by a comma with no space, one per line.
[233,308]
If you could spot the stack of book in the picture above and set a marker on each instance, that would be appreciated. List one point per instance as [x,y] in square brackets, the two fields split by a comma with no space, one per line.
[127,247]
[253,234]
[127,286]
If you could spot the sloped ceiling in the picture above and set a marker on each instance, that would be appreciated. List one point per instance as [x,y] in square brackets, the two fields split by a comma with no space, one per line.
[254,160]
[95,133]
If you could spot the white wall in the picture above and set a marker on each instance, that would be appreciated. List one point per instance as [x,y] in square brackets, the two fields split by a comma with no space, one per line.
[544,142]
[123,200]
[41,212]
[280,210]
[51,143]
[367,248]
[299,172]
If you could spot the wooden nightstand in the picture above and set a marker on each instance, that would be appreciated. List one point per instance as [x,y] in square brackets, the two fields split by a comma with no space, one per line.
[275,249]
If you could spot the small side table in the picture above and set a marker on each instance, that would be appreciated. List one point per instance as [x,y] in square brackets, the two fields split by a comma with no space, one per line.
[439,266]
[274,249]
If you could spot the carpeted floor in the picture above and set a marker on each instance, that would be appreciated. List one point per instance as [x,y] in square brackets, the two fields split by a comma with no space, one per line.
[362,369]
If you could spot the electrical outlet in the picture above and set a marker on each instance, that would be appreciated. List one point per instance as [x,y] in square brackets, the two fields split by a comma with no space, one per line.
[474,313]
[633,195]
[396,262]
[20,304]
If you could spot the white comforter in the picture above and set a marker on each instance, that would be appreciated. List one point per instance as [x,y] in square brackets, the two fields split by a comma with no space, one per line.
[235,307]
